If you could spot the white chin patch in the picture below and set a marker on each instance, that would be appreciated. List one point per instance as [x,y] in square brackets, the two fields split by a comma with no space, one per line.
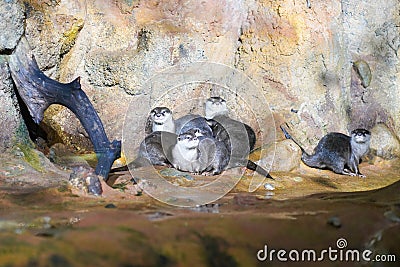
[360,139]
[193,143]
[159,119]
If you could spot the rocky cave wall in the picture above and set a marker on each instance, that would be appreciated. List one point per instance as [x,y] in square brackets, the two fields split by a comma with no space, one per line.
[303,60]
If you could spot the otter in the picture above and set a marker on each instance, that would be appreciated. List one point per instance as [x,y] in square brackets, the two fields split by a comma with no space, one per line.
[338,152]
[153,150]
[160,122]
[185,155]
[215,107]
[199,154]
[161,119]
[191,151]
[239,138]
[212,152]
[216,153]
[193,122]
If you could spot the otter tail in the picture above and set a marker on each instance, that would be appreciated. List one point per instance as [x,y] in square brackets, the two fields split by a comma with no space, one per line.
[288,136]
[254,167]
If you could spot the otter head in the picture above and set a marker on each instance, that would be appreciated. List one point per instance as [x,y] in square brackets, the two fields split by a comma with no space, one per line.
[160,115]
[215,106]
[361,136]
[360,139]
[196,132]
[188,140]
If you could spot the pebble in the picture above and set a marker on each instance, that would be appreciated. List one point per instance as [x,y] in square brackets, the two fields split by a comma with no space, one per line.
[110,206]
[269,186]
[18,153]
[85,179]
[298,179]
[335,222]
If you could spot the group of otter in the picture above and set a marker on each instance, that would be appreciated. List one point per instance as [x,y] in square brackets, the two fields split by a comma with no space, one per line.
[211,144]
[199,145]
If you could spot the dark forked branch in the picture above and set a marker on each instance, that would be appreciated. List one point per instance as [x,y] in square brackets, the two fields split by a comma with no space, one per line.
[39,92]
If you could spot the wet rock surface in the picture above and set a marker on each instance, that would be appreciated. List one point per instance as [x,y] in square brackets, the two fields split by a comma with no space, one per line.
[303,209]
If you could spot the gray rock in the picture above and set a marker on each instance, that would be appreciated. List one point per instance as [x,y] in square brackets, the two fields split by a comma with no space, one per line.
[384,143]
[364,72]
[11,24]
[269,186]
[9,111]
[335,222]
[287,156]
